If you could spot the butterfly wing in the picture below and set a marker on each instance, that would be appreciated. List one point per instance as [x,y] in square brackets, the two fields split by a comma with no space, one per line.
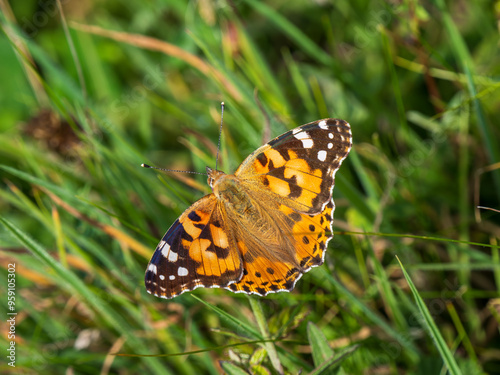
[292,177]
[299,166]
[197,251]
[304,245]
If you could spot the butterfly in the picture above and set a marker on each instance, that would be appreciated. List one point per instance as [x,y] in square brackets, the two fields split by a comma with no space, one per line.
[262,227]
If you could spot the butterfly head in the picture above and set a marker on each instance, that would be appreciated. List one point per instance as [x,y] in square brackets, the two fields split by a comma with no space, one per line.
[213,175]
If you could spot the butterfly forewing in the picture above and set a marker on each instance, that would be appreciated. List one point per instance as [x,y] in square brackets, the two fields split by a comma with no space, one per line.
[300,164]
[197,251]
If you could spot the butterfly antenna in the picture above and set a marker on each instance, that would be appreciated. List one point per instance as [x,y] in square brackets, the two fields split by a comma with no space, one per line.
[170,170]
[220,133]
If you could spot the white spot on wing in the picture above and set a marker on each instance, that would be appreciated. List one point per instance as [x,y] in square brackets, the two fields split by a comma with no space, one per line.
[172,257]
[322,125]
[165,248]
[307,143]
[162,277]
[322,155]
[330,145]
[152,268]
[181,271]
[301,134]
[171,277]
[330,135]
[304,137]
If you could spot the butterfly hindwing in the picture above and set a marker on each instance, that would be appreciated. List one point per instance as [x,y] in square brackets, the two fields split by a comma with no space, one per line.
[307,236]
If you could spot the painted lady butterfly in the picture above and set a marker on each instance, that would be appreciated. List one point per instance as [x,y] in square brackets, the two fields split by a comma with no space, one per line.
[262,227]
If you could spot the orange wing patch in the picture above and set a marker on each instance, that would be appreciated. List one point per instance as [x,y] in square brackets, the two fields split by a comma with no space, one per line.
[297,182]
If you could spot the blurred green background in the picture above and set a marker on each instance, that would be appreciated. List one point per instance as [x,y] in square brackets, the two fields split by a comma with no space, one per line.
[90,93]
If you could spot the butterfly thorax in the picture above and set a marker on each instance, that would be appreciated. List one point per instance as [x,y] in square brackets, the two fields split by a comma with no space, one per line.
[239,205]
[228,190]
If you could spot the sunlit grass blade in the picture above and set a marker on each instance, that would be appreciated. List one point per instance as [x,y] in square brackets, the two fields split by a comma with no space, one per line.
[232,369]
[329,366]
[264,330]
[235,322]
[430,326]
[320,349]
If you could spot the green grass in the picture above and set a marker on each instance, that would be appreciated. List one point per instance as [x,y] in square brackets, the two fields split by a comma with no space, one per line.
[81,110]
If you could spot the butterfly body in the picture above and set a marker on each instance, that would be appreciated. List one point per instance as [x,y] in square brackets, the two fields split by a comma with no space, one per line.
[262,227]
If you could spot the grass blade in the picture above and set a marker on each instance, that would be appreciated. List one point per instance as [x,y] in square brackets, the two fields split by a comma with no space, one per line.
[320,349]
[292,31]
[431,327]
